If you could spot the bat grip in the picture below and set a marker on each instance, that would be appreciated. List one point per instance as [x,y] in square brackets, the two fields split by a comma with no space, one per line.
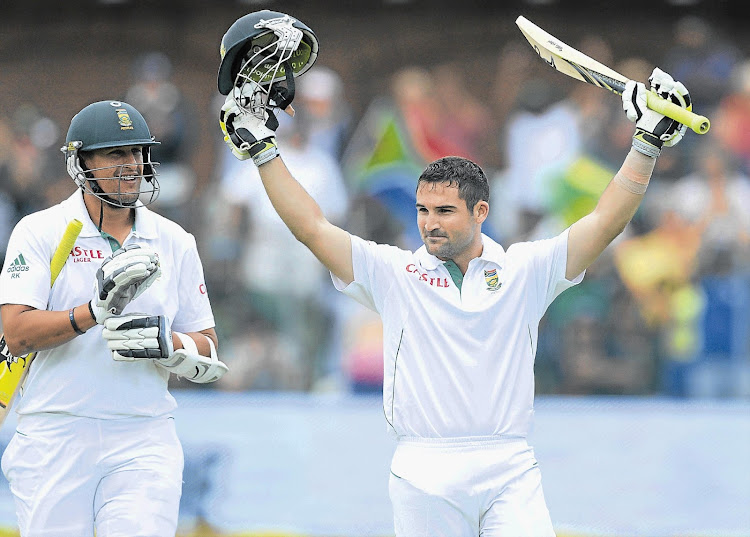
[698,124]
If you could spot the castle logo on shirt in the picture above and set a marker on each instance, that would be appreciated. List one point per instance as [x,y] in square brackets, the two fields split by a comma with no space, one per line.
[492,280]
[84,255]
[435,282]
[17,267]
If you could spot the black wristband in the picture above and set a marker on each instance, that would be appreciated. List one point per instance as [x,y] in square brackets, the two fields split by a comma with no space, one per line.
[91,311]
[73,323]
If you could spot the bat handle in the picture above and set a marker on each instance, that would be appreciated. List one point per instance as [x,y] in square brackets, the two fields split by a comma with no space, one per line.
[699,124]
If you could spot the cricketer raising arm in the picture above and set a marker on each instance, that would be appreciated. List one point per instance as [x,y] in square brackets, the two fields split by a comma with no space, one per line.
[460,315]
[95,447]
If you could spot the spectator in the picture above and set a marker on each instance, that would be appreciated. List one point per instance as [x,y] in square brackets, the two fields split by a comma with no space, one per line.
[415,94]
[321,93]
[659,269]
[593,107]
[732,119]
[715,197]
[285,284]
[598,338]
[468,120]
[542,139]
[515,64]
[702,60]
[33,134]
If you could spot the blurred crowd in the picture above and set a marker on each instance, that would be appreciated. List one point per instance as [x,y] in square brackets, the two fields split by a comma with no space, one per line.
[665,310]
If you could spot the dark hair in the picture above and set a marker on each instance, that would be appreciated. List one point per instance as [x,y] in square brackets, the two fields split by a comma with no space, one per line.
[466,175]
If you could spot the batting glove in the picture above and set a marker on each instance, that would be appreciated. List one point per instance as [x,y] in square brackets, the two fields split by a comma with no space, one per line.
[248,131]
[123,276]
[137,336]
[653,130]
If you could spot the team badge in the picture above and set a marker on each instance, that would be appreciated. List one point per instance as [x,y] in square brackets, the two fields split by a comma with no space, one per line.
[123,118]
[492,280]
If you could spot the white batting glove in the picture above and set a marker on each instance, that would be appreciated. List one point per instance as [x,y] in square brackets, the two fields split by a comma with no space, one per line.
[653,130]
[123,276]
[190,364]
[249,134]
[137,336]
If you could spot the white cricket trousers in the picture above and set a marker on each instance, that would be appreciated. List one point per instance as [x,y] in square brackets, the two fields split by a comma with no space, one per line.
[71,475]
[486,487]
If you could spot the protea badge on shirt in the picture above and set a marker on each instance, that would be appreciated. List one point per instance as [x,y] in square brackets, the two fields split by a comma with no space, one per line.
[492,280]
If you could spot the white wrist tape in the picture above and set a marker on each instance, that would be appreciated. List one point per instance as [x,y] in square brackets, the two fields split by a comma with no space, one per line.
[186,362]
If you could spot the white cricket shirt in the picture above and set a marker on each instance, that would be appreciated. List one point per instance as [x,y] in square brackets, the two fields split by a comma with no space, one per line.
[80,377]
[459,363]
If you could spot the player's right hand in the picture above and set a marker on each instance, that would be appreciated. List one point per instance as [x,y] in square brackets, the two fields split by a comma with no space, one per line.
[653,130]
[137,336]
[123,276]
[248,131]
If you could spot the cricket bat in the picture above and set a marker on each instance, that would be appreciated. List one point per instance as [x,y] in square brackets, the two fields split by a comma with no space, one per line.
[13,370]
[576,64]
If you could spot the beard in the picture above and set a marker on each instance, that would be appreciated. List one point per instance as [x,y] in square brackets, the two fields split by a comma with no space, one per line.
[124,200]
[447,249]
[126,195]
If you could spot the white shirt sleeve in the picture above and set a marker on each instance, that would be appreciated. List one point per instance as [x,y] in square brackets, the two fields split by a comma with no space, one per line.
[194,312]
[26,272]
[548,260]
[373,274]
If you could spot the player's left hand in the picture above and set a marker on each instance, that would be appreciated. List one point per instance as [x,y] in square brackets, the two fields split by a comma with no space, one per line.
[249,132]
[123,277]
[137,336]
[654,130]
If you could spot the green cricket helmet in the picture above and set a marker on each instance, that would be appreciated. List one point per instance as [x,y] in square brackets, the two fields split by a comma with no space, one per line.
[266,50]
[107,124]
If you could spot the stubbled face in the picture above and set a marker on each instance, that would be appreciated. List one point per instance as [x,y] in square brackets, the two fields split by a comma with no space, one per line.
[446,225]
[118,171]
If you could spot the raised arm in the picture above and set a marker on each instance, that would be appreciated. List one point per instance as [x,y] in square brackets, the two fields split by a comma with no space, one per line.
[591,234]
[250,134]
[302,215]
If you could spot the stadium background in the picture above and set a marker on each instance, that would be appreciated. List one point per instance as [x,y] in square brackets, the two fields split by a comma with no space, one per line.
[296,445]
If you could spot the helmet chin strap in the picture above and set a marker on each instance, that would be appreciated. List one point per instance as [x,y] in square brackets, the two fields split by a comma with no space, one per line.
[101,214]
[95,188]
[280,95]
